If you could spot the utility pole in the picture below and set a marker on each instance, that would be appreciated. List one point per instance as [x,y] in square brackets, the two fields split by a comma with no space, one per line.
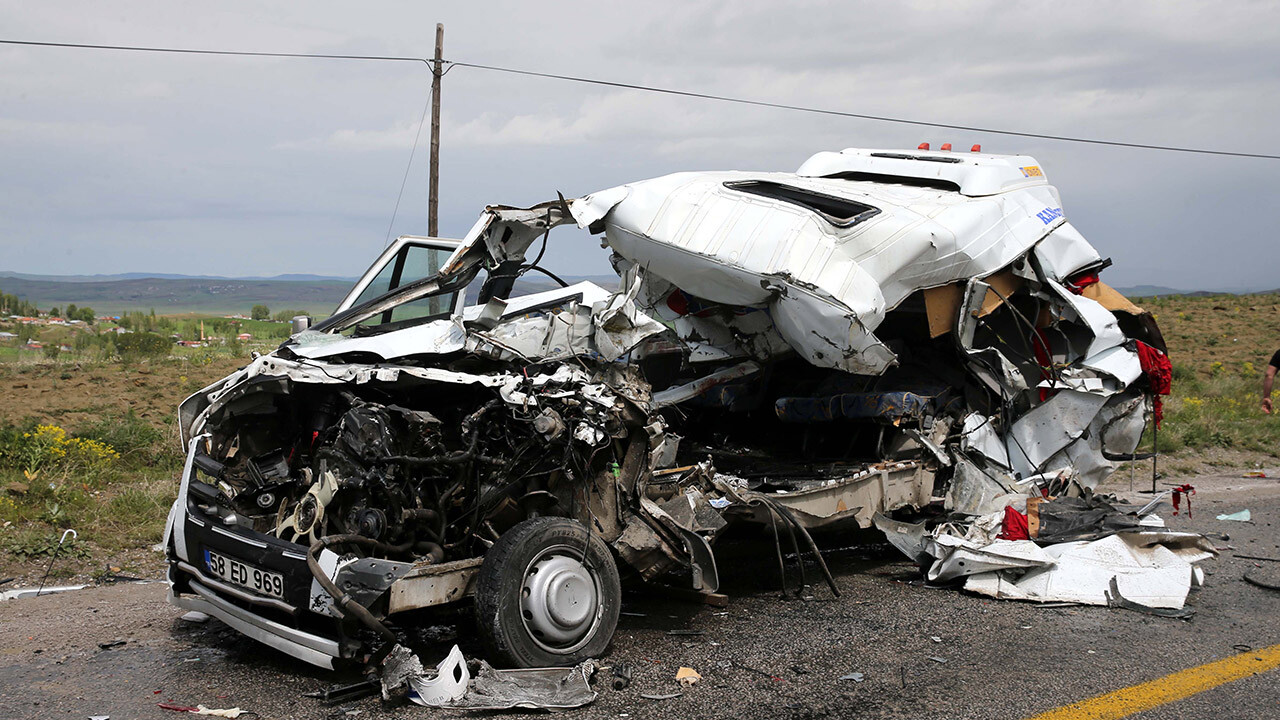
[433,198]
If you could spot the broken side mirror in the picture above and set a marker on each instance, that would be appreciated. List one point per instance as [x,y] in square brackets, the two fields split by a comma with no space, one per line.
[301,323]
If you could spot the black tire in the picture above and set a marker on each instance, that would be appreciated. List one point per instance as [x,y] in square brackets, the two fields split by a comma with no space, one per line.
[559,619]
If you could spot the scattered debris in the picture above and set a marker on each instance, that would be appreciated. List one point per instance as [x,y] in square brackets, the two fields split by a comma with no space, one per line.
[118,642]
[1115,599]
[655,696]
[854,676]
[176,707]
[532,688]
[687,676]
[1072,549]
[195,616]
[221,712]
[19,593]
[335,694]
[1252,577]
[1254,474]
[1255,557]
[448,685]
[453,686]
[935,638]
[54,556]
[939,660]
[1242,516]
[1153,569]
[621,675]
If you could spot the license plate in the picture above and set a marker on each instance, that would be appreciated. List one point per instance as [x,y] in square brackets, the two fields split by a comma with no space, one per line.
[261,581]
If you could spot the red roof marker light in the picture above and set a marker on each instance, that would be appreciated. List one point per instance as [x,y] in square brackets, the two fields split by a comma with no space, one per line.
[976,148]
[923,146]
[945,146]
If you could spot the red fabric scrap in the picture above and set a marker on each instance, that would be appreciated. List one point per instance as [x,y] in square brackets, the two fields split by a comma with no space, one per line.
[1159,372]
[1178,492]
[1014,526]
[1078,283]
[175,707]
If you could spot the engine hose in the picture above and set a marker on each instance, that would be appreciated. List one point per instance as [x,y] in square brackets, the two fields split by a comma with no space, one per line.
[431,551]
[817,554]
[455,458]
[777,543]
[795,547]
[345,601]
[427,515]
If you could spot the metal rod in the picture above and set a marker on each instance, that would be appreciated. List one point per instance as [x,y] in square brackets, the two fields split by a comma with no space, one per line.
[1155,453]
[74,535]
[433,199]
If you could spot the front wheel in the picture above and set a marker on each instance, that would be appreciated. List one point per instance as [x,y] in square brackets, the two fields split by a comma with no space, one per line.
[547,594]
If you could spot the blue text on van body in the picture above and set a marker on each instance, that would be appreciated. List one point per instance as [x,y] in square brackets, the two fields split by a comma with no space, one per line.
[1048,215]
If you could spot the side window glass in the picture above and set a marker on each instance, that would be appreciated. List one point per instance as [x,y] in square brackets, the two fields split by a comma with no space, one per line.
[412,263]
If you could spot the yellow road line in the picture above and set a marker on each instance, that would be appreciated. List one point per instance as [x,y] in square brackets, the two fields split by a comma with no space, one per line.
[1176,686]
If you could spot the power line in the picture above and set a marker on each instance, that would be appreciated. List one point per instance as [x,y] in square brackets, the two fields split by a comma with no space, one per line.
[416,136]
[188,51]
[861,116]
[667,91]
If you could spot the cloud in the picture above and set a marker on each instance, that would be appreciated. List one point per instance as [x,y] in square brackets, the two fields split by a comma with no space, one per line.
[256,166]
[397,137]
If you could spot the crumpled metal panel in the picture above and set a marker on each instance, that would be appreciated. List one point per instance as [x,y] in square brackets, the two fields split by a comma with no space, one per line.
[826,287]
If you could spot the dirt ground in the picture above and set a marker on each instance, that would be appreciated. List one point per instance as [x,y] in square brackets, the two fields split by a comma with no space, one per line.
[73,395]
[759,657]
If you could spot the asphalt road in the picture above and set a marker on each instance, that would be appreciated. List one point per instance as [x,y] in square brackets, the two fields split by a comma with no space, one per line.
[761,657]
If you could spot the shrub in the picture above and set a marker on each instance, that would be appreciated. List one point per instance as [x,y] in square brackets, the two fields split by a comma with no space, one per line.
[136,345]
[130,437]
[47,449]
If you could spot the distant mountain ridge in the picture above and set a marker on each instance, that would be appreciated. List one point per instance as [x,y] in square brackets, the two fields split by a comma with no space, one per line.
[174,294]
[288,277]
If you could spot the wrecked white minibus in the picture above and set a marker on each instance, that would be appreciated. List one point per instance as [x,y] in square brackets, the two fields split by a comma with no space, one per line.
[877,331]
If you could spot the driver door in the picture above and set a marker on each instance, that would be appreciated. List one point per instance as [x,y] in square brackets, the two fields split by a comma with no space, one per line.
[407,259]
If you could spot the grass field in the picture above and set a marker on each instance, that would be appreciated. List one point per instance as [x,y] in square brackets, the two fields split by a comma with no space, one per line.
[118,500]
[1220,346]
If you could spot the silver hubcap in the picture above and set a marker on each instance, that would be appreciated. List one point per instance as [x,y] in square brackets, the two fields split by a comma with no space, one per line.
[559,601]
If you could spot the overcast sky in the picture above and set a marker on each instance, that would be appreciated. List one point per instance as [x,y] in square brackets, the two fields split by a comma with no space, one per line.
[121,162]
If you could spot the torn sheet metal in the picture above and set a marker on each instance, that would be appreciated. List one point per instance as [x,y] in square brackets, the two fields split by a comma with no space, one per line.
[450,683]
[978,435]
[1047,429]
[978,491]
[958,557]
[909,538]
[532,689]
[1145,570]
[607,329]
[453,686]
